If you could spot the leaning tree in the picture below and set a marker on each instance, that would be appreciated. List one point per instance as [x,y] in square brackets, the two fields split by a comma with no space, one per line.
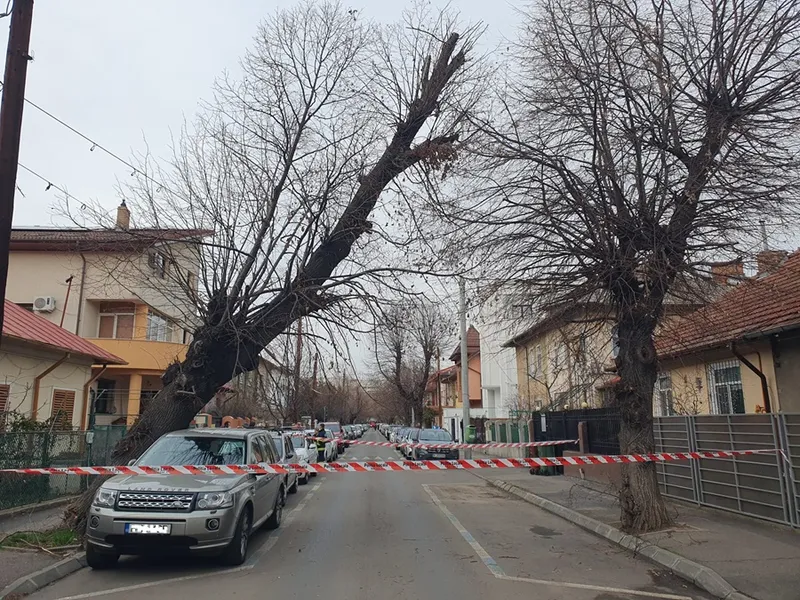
[281,176]
[629,144]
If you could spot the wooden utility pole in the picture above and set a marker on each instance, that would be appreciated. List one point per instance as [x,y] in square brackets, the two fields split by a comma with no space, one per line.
[13,102]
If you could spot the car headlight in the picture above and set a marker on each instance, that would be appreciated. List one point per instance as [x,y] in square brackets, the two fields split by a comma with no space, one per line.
[105,498]
[215,500]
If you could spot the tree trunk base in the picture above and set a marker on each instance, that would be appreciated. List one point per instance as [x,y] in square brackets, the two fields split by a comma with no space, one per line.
[641,505]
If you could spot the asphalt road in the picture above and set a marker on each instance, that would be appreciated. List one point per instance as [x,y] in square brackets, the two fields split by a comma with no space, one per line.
[360,536]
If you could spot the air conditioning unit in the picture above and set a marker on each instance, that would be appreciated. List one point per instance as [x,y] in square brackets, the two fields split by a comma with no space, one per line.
[44,304]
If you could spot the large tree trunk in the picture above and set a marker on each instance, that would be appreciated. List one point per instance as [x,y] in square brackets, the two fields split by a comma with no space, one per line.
[642,507]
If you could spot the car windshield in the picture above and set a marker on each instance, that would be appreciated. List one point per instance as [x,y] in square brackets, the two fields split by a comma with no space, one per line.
[434,435]
[334,427]
[298,441]
[199,450]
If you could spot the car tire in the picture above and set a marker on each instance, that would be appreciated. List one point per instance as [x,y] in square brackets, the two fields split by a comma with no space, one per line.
[293,487]
[314,474]
[274,520]
[304,480]
[100,560]
[236,552]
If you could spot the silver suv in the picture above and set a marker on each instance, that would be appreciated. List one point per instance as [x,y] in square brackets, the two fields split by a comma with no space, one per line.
[197,514]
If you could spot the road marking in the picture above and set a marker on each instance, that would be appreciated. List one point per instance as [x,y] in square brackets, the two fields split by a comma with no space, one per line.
[251,562]
[496,570]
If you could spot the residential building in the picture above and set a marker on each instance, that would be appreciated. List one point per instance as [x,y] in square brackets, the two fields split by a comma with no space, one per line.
[452,416]
[564,359]
[130,291]
[441,393]
[46,371]
[739,354]
[498,362]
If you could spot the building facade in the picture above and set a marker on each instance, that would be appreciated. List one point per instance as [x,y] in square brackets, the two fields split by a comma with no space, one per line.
[132,292]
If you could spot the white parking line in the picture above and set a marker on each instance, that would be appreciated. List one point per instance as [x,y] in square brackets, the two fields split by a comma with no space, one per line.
[252,561]
[496,570]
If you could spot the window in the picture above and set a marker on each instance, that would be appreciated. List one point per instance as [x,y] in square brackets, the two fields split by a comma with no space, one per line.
[535,361]
[663,405]
[194,450]
[159,263]
[63,408]
[116,320]
[256,451]
[5,390]
[725,387]
[268,449]
[160,328]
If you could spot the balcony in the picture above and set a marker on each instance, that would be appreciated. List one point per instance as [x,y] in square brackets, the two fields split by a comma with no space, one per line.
[142,355]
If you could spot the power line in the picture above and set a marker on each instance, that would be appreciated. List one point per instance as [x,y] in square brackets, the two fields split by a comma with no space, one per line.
[95,144]
[50,184]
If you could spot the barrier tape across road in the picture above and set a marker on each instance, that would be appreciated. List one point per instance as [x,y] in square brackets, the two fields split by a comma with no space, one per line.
[392,465]
[452,445]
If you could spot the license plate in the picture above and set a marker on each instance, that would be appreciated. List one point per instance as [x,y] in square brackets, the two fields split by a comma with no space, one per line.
[148,528]
[439,455]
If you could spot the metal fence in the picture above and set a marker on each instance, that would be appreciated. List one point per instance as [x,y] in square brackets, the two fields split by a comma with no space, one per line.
[765,486]
[50,449]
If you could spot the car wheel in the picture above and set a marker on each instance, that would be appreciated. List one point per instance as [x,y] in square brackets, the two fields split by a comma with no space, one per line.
[293,487]
[274,520]
[314,474]
[100,560]
[304,479]
[236,552]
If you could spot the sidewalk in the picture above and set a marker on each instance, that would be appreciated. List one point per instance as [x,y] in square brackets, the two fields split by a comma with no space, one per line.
[756,557]
[18,563]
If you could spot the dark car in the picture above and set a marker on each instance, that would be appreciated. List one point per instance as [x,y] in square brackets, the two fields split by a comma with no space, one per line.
[433,437]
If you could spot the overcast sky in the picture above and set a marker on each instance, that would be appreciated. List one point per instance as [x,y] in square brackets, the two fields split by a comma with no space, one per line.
[126,71]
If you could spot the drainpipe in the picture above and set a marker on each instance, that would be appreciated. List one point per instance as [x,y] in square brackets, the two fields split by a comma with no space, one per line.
[80,296]
[38,380]
[86,387]
[757,371]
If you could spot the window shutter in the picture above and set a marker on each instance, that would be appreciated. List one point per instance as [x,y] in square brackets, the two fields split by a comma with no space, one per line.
[63,408]
[5,389]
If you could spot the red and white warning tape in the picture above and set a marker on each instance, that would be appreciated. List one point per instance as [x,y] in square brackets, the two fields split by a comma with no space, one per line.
[393,465]
[452,445]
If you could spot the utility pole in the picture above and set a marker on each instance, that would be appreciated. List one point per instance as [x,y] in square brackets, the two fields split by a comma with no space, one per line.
[13,101]
[464,359]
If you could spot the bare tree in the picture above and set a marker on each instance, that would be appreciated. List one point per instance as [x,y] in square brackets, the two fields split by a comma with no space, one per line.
[406,339]
[282,172]
[633,143]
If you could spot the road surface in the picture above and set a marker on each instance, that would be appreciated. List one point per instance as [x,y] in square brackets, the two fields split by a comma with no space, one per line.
[363,536]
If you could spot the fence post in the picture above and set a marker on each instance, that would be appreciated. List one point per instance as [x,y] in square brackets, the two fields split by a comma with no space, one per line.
[583,437]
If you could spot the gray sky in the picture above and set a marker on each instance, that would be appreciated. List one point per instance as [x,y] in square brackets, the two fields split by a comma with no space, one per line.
[126,71]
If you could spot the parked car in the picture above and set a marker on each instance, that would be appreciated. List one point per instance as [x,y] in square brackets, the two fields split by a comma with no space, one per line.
[338,433]
[347,431]
[196,514]
[408,438]
[306,453]
[433,436]
[285,450]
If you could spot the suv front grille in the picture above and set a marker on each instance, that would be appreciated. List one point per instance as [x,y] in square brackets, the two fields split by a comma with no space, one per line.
[166,502]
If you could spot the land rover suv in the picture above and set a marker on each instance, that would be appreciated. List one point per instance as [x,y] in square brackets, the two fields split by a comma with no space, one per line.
[196,514]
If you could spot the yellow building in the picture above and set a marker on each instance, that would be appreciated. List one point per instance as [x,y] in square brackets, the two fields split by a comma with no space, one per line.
[132,292]
[740,354]
[564,359]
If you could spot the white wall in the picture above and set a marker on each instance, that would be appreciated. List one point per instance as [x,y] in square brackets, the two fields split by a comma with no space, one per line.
[498,364]
[20,363]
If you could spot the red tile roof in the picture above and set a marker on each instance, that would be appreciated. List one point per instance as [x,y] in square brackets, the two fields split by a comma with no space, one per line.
[26,326]
[754,308]
[97,239]
[473,344]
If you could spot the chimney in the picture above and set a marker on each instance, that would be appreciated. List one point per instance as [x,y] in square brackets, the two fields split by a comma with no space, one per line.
[769,261]
[723,273]
[123,216]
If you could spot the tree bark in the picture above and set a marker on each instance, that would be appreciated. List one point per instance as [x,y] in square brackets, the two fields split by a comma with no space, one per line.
[641,505]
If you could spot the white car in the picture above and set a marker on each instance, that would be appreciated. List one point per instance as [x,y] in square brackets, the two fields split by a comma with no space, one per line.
[305,452]
[331,451]
[285,456]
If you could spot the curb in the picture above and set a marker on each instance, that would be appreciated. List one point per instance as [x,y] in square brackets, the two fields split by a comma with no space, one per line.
[9,513]
[703,577]
[28,584]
